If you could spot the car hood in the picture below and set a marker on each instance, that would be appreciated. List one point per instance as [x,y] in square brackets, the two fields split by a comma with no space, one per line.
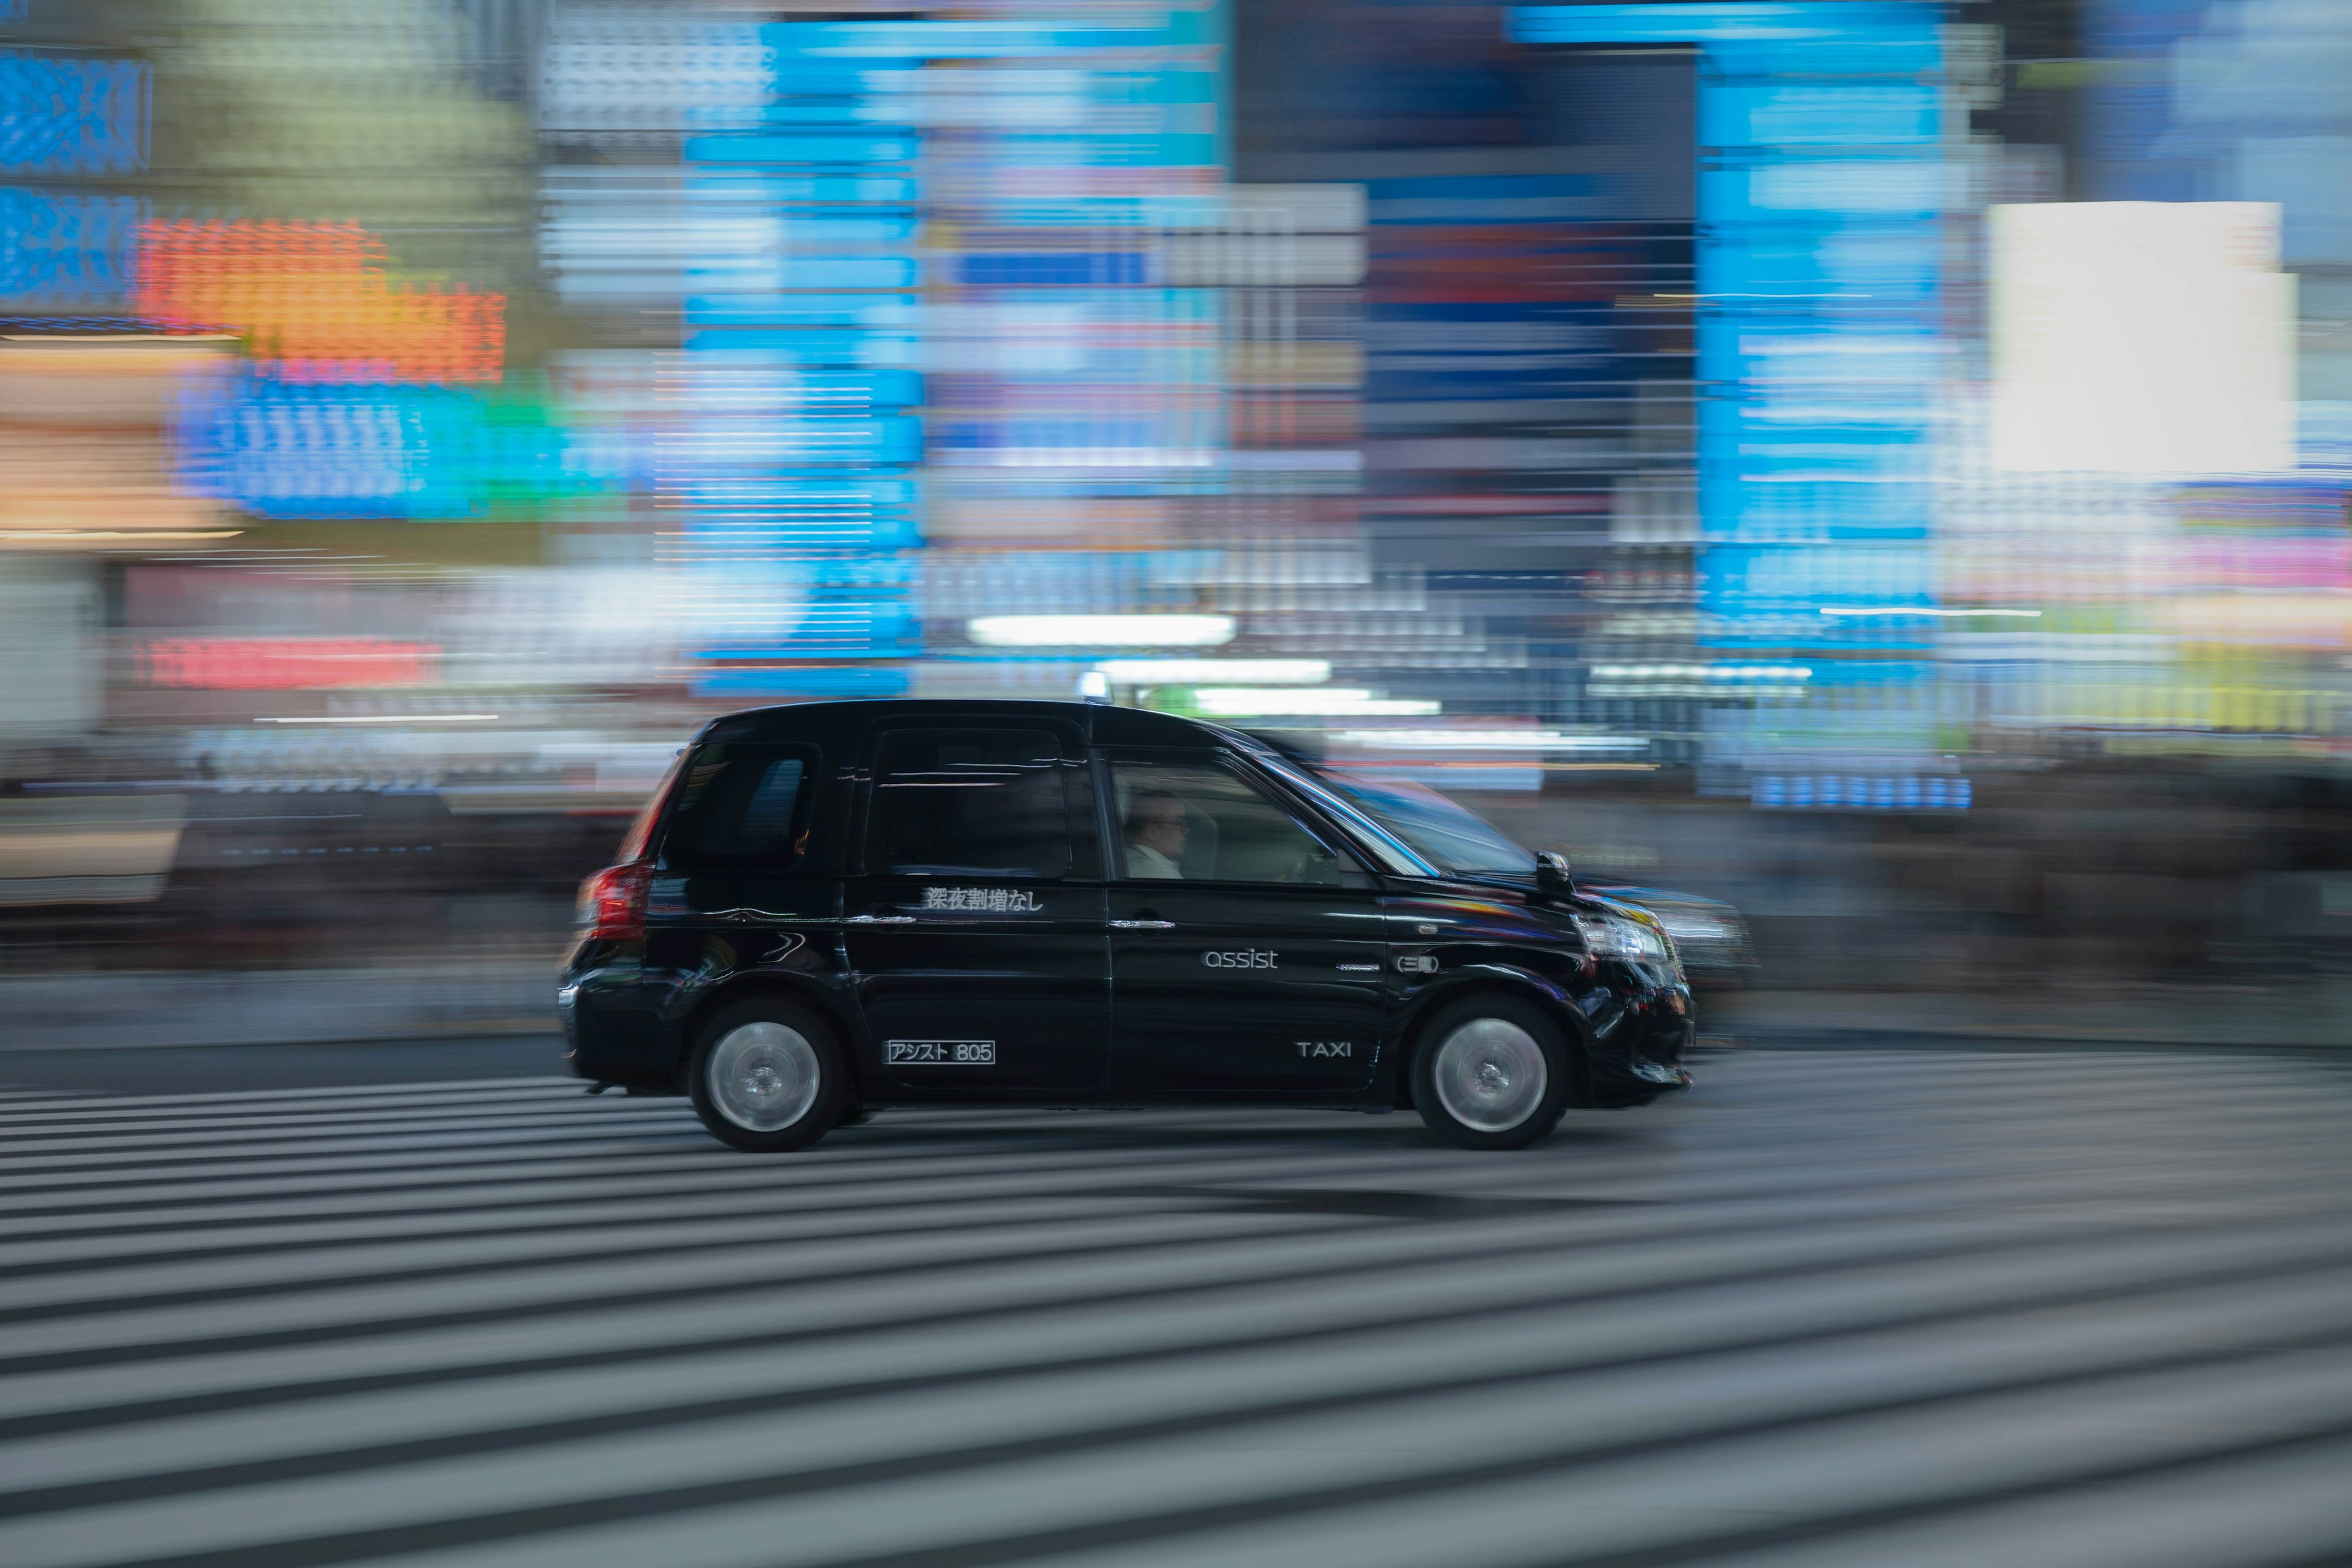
[1661,897]
[1590,892]
[1556,904]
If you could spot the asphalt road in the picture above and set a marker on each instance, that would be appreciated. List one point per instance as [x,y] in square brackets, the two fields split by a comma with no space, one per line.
[1835,1308]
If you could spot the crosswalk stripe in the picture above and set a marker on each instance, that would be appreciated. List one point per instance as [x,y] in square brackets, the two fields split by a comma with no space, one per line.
[1828,1303]
[66,1106]
[1516,1340]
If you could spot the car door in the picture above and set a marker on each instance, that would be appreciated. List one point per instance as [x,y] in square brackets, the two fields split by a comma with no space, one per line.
[1246,947]
[973,922]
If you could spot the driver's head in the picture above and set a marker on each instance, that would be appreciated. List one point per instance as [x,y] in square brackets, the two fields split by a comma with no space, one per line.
[1156,820]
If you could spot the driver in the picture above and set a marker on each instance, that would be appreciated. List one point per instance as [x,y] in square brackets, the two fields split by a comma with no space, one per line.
[1156,836]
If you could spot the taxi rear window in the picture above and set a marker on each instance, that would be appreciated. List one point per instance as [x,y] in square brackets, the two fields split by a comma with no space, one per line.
[968,804]
[742,807]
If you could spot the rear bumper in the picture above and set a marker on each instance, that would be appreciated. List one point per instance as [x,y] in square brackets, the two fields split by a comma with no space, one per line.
[616,1028]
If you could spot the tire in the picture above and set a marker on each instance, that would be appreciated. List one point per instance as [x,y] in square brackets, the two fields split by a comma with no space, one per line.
[1492,1072]
[767,1078]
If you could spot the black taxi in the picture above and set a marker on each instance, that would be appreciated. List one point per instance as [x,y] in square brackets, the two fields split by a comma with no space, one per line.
[833,907]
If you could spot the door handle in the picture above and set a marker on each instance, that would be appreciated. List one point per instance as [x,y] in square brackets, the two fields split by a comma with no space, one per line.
[881,920]
[1143,925]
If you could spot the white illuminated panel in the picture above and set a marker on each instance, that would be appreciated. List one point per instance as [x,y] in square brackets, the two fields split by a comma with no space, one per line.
[1216,671]
[1526,740]
[1316,702]
[2141,338]
[1103,631]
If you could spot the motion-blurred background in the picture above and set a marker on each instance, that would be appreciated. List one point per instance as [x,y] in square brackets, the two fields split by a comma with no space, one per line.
[1881,463]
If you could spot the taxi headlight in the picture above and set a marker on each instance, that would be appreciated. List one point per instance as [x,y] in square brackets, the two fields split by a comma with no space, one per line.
[1695,928]
[1608,936]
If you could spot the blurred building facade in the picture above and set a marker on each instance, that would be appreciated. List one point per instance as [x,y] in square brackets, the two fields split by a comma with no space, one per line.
[430,410]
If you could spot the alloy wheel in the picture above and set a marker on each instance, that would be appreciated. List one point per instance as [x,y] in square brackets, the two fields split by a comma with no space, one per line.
[764,1076]
[1490,1075]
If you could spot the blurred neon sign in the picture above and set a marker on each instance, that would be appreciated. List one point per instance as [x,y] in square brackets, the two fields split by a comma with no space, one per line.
[1821,353]
[286,664]
[315,297]
[281,449]
[72,117]
[1820,213]
[59,250]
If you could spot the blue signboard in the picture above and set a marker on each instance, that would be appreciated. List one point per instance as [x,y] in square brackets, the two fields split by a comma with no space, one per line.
[72,117]
[887,204]
[795,478]
[1821,195]
[289,449]
[61,252]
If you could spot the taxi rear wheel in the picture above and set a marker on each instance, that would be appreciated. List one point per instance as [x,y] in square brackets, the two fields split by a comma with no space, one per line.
[767,1078]
[1492,1073]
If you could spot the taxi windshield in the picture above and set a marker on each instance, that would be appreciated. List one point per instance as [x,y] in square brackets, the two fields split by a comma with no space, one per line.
[1444,834]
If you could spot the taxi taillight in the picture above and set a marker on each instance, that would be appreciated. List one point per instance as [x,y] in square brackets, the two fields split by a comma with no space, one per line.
[612,902]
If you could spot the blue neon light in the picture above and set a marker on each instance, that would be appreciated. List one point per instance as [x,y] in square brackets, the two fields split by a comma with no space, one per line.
[794,476]
[69,117]
[64,252]
[1820,198]
[800,513]
[282,449]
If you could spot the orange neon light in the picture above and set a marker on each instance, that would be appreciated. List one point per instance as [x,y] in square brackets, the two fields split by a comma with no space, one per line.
[315,298]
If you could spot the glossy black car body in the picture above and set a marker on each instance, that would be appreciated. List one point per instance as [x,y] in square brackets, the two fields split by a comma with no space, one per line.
[1078,983]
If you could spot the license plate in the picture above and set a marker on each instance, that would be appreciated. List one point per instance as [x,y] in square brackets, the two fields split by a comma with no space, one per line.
[940,1053]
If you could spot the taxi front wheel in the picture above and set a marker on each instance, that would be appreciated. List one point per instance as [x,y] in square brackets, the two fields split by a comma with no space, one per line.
[767,1078]
[1492,1073]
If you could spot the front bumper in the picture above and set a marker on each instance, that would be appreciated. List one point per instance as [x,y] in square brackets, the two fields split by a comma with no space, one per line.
[1638,1047]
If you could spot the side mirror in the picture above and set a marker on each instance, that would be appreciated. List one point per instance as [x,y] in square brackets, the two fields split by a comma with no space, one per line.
[1551,873]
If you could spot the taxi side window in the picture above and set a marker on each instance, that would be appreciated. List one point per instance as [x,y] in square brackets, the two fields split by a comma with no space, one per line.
[968,804]
[1202,822]
[741,808]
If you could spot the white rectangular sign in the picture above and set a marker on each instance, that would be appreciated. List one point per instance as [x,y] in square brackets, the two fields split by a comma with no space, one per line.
[2142,338]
